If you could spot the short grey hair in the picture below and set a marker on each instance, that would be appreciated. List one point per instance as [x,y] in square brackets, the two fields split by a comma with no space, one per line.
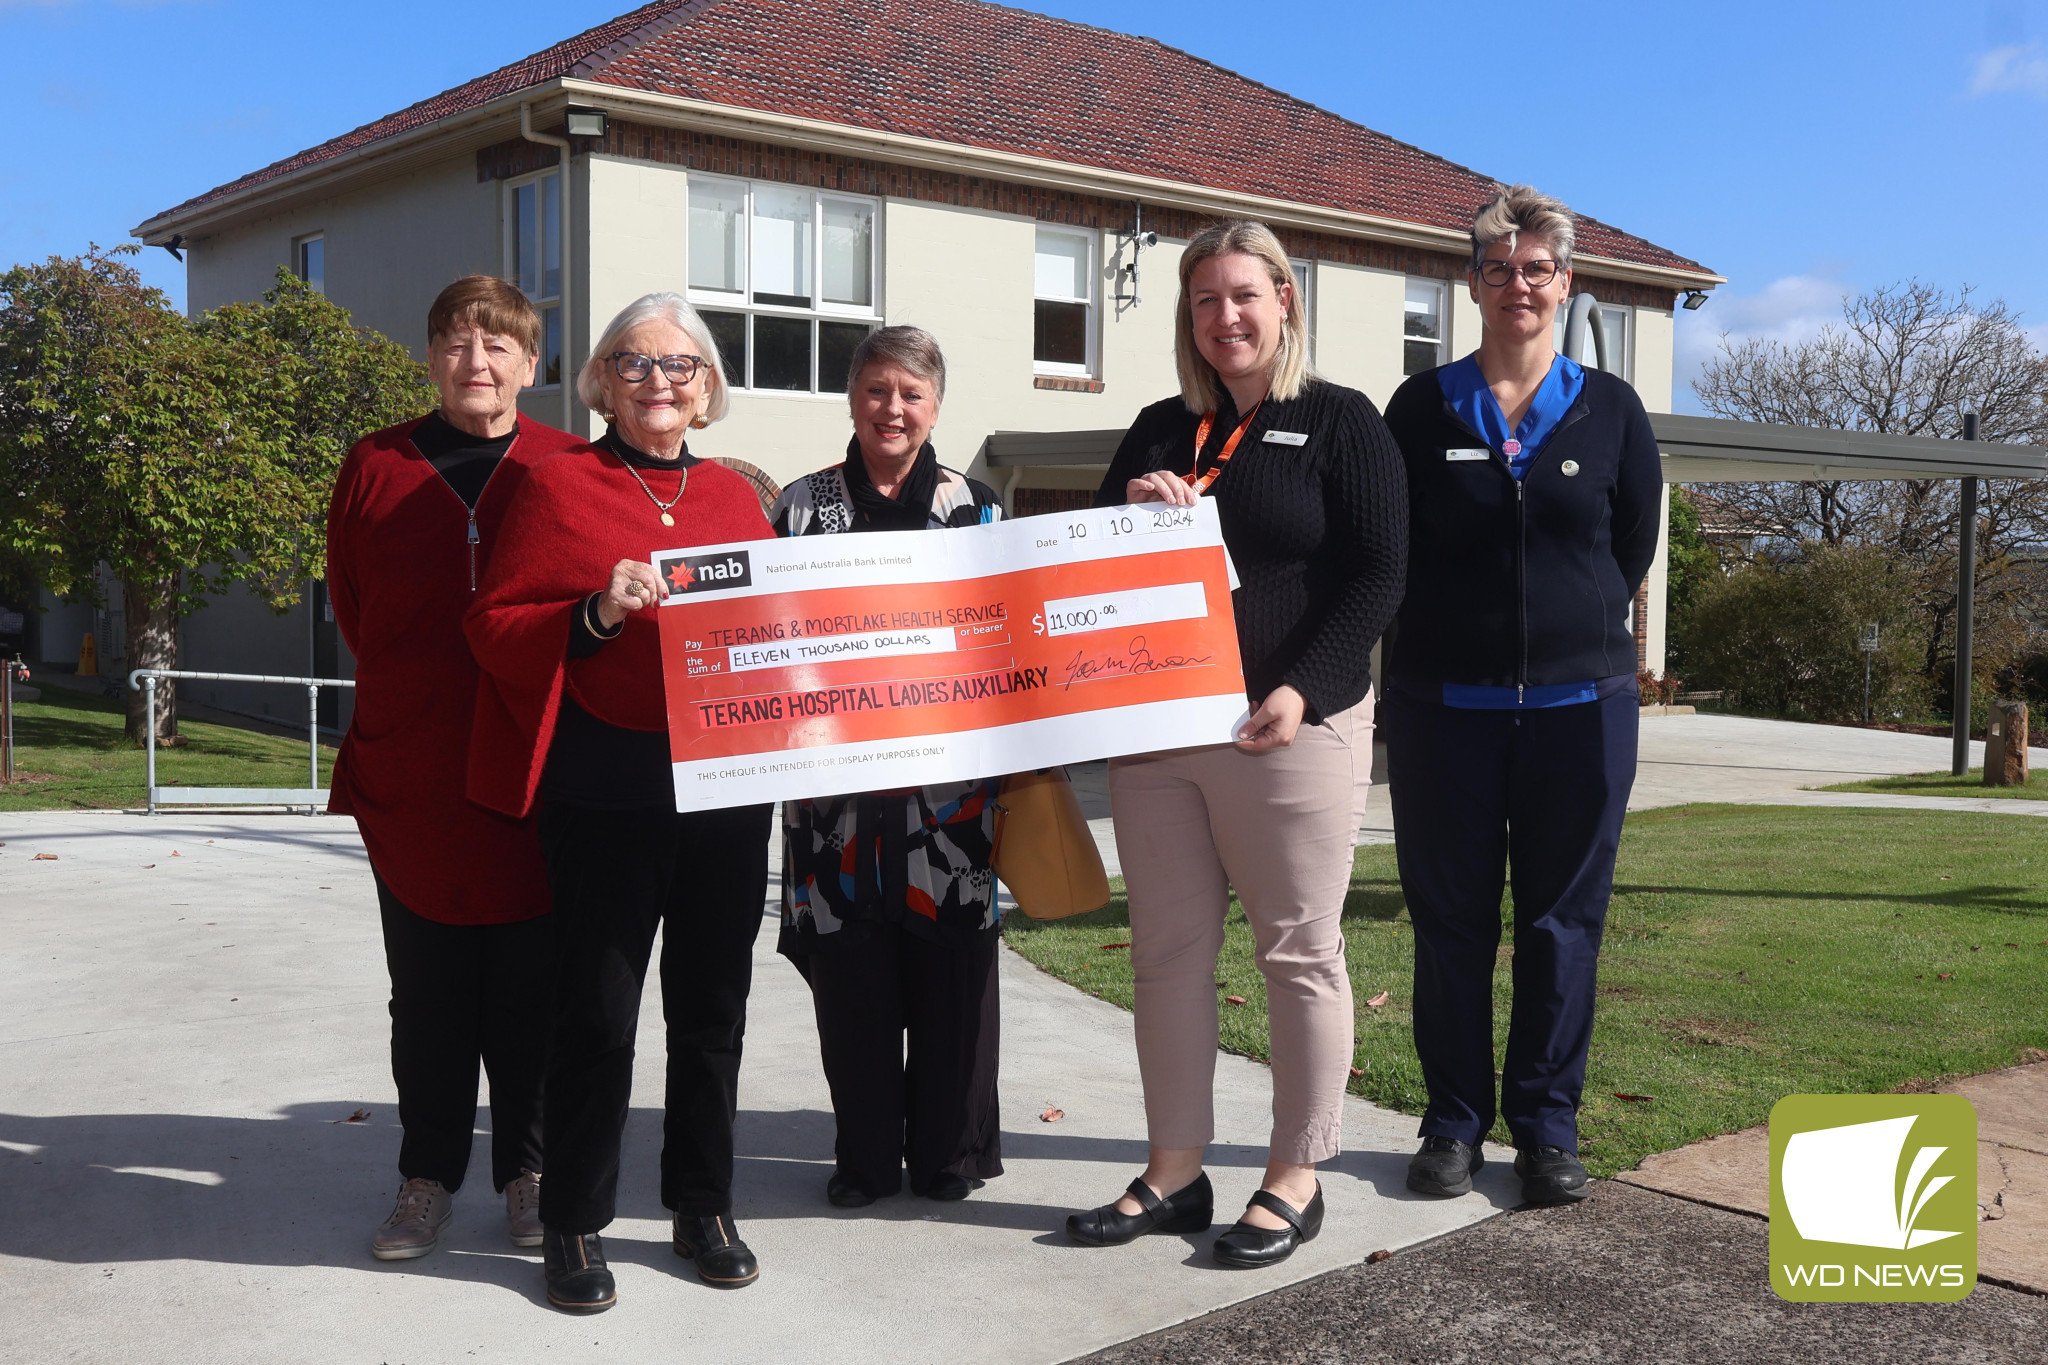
[1521,209]
[666,307]
[913,348]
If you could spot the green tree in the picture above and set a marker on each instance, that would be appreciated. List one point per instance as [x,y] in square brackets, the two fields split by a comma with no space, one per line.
[1781,637]
[181,456]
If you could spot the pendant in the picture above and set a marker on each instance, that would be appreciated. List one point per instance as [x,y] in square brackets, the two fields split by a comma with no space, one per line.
[667,520]
[1511,447]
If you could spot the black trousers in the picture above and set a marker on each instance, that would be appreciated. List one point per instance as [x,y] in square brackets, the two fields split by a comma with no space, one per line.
[1476,792]
[935,1108]
[460,994]
[617,876]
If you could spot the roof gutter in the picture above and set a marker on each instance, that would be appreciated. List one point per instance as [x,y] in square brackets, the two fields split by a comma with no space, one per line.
[818,135]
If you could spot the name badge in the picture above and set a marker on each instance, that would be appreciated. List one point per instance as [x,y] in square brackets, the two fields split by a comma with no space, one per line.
[1469,453]
[1286,438]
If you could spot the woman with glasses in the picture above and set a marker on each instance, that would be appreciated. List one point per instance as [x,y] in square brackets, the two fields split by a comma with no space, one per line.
[572,716]
[1534,494]
[888,901]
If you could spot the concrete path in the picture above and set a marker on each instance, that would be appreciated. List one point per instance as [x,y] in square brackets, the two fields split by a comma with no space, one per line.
[193,1015]
[1630,1277]
[1733,1172]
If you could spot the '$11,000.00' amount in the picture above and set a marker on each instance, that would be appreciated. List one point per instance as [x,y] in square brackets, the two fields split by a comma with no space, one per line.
[1109,610]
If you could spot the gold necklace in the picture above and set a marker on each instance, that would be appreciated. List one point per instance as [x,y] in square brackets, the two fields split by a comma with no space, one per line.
[659,505]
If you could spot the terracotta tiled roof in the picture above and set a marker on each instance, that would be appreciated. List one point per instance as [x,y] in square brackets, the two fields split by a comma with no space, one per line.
[983,75]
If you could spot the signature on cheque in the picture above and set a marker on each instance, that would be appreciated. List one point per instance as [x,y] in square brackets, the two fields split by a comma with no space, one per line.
[1135,659]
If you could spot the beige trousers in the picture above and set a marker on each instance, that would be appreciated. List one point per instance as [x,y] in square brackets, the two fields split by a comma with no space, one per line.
[1279,827]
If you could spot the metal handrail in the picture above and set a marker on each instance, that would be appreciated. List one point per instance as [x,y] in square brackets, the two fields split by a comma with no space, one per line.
[312,797]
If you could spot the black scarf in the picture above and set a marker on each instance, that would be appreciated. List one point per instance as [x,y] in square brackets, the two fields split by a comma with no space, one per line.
[909,510]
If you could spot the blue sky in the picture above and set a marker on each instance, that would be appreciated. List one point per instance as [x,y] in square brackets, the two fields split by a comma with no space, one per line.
[1802,150]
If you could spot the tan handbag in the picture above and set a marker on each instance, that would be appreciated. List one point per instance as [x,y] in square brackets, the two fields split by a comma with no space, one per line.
[1044,851]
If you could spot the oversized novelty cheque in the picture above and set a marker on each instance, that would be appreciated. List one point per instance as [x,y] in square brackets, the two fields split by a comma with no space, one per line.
[820,665]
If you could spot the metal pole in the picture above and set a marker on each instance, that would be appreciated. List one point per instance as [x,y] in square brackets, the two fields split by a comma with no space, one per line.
[149,742]
[6,720]
[1866,687]
[1966,613]
[313,741]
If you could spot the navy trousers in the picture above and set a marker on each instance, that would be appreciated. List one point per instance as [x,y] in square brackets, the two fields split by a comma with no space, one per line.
[1476,793]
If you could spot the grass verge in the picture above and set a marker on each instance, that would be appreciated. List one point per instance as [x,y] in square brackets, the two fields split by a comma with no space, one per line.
[1948,784]
[1751,953]
[70,754]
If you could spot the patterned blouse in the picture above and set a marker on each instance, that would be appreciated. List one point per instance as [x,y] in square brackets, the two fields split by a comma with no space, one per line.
[919,856]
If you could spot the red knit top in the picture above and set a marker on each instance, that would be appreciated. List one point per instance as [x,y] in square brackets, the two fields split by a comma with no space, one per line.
[574,519]
[399,573]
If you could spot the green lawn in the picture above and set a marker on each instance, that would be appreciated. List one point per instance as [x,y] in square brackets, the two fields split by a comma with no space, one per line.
[1947,784]
[70,755]
[1752,952]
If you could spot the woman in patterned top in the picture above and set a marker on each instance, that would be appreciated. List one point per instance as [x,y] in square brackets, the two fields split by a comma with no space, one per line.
[889,903]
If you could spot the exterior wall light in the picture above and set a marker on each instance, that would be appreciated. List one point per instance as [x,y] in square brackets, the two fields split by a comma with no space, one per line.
[1693,299]
[586,123]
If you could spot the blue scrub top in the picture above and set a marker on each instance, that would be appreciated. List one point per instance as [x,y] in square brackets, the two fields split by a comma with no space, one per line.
[1469,395]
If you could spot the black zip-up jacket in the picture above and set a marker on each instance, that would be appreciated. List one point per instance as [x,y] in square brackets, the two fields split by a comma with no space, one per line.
[1521,584]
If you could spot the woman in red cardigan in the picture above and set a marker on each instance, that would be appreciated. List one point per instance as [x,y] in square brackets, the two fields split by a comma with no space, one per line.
[417,514]
[572,711]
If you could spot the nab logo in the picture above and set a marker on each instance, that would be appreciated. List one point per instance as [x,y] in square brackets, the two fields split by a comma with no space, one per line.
[1873,1198]
[708,573]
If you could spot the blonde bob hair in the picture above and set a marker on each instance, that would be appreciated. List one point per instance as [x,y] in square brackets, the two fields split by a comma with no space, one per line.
[1201,388]
[670,308]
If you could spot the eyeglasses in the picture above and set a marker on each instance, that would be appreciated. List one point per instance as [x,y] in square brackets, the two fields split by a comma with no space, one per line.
[1537,273]
[633,367]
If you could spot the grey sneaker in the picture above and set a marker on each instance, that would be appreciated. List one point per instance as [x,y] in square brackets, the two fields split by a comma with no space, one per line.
[522,1210]
[424,1208]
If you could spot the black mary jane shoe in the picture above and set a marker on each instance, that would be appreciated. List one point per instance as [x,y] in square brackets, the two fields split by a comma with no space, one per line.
[946,1186]
[1245,1247]
[847,1193]
[1192,1208]
[723,1260]
[579,1281]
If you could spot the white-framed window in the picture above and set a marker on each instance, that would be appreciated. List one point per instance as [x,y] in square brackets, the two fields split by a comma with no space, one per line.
[1425,309]
[1063,290]
[309,260]
[1616,322]
[533,259]
[1305,298]
[785,279]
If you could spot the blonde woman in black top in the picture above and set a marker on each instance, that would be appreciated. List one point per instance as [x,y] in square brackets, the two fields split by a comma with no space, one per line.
[1314,510]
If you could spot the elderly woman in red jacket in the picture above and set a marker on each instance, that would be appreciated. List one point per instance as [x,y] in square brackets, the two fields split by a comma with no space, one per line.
[573,716]
[417,515]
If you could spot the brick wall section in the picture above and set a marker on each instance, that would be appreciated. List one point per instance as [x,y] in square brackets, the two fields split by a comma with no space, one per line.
[1640,616]
[745,159]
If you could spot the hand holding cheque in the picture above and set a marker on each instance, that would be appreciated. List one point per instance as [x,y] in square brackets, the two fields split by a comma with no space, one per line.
[799,668]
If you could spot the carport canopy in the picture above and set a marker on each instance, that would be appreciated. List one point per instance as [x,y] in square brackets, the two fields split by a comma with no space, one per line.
[1695,450]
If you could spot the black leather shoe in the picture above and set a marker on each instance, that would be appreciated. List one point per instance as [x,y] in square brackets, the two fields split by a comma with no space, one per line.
[1192,1208]
[578,1279]
[723,1260]
[1245,1247]
[948,1186]
[847,1193]
[1551,1175]
[1444,1166]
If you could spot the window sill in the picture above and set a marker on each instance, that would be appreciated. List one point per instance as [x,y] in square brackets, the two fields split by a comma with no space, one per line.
[1064,384]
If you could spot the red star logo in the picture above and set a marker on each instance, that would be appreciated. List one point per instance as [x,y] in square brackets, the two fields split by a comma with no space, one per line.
[681,576]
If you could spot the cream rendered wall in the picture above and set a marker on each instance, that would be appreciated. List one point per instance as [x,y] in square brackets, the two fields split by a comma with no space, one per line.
[1653,364]
[1358,327]
[390,248]
[1465,322]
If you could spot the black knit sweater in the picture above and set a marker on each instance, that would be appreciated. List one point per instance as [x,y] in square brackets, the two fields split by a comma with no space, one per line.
[1318,531]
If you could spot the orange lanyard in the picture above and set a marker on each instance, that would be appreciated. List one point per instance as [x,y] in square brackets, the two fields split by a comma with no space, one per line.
[1208,424]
